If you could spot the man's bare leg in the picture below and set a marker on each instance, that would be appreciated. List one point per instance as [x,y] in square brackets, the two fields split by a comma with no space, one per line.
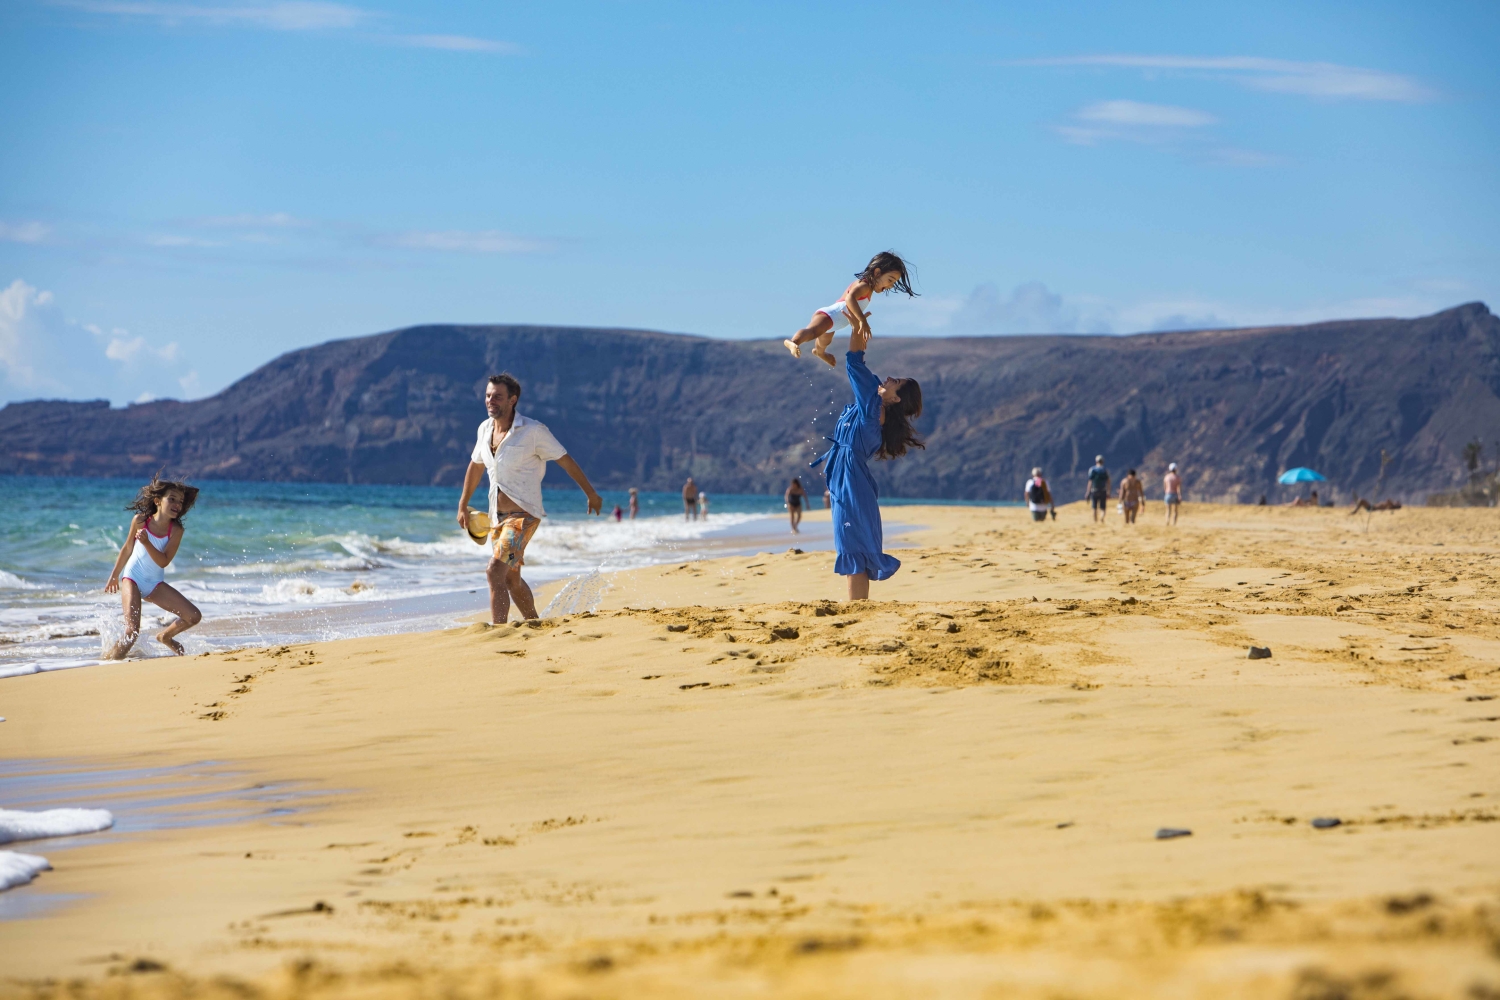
[520,593]
[859,587]
[498,575]
[170,600]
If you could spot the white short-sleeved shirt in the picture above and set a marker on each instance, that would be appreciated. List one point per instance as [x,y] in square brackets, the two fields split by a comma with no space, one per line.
[518,467]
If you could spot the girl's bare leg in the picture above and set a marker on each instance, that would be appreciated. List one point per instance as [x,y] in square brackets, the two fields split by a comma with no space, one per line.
[130,604]
[816,327]
[859,587]
[166,597]
[820,349]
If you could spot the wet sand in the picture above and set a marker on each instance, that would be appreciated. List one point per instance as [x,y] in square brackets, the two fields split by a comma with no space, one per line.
[726,782]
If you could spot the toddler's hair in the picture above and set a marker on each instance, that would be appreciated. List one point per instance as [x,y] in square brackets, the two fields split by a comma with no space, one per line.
[883,263]
[897,434]
[145,501]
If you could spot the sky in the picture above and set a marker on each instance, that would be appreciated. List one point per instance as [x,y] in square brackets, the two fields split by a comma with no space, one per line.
[188,189]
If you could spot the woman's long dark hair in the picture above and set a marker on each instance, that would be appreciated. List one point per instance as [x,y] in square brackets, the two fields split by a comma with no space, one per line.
[896,433]
[883,263]
[145,501]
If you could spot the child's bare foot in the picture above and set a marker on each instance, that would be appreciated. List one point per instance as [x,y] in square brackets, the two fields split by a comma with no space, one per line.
[170,643]
[794,347]
[825,357]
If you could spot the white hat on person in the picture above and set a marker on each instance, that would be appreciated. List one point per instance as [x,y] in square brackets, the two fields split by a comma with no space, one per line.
[1171,466]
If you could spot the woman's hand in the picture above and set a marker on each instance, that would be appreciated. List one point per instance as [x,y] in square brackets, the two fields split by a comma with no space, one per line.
[113,586]
[859,339]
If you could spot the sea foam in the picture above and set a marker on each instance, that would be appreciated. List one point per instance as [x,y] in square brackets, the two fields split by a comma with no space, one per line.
[18,869]
[19,824]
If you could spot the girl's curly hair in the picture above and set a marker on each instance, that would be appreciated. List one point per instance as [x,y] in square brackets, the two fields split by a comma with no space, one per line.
[145,501]
[896,432]
[885,262]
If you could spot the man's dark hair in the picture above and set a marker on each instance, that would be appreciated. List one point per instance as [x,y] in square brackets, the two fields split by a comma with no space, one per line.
[509,381]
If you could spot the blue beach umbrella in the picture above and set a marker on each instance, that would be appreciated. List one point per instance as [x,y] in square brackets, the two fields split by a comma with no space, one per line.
[1301,474]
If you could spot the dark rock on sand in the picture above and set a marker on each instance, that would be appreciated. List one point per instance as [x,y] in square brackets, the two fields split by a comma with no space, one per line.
[1168,833]
[1259,653]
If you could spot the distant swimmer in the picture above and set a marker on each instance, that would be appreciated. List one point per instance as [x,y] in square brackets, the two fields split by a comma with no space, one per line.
[885,272]
[1172,492]
[514,450]
[795,496]
[877,424]
[150,546]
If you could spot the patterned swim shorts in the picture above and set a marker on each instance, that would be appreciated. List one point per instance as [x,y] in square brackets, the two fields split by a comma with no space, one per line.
[509,537]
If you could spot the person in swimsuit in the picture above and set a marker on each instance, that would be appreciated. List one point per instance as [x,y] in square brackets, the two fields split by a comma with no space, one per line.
[690,500]
[1132,496]
[150,546]
[878,423]
[514,450]
[1172,492]
[635,502]
[885,271]
[795,496]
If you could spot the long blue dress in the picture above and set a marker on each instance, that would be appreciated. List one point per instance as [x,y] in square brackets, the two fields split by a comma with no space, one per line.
[857,536]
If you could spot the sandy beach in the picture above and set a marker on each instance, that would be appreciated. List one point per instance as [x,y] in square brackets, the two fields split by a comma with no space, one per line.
[725,782]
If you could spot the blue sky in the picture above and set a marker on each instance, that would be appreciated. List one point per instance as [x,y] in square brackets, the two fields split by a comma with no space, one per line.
[190,189]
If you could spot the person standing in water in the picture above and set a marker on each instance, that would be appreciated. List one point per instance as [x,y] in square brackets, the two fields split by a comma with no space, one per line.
[514,450]
[1172,489]
[150,546]
[877,424]
[703,506]
[795,496]
[635,502]
[690,500]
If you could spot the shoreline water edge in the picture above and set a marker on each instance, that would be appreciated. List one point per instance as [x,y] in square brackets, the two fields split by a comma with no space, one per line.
[293,562]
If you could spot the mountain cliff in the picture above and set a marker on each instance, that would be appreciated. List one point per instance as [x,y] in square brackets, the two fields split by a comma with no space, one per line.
[1233,407]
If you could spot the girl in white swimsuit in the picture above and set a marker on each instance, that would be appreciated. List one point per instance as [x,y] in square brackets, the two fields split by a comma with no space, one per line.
[155,533]
[884,272]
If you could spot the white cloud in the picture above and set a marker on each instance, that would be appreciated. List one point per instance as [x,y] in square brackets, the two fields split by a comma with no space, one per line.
[44,354]
[1328,81]
[1030,307]
[170,240]
[289,15]
[24,232]
[460,241]
[271,220]
[459,43]
[1135,113]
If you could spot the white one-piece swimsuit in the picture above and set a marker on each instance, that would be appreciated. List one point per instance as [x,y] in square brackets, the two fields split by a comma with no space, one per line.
[836,312]
[141,568]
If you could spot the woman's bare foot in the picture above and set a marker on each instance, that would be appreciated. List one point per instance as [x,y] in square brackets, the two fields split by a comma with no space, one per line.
[825,357]
[794,347]
[170,643]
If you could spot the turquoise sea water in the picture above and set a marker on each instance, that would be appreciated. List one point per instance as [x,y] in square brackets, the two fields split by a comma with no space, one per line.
[293,561]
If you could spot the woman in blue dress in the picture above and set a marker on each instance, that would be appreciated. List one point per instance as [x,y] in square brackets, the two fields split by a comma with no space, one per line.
[877,424]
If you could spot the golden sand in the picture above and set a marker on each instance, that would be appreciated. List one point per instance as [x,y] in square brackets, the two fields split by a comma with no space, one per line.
[726,783]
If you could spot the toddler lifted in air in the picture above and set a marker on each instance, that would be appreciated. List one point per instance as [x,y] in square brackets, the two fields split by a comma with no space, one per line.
[884,272]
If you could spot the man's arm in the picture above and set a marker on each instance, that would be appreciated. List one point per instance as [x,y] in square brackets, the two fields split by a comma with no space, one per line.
[471,480]
[596,502]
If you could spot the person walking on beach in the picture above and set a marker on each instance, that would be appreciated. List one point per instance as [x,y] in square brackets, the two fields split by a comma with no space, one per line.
[1038,496]
[795,496]
[1132,496]
[150,546]
[514,450]
[1172,490]
[878,424]
[635,502]
[1097,491]
[690,500]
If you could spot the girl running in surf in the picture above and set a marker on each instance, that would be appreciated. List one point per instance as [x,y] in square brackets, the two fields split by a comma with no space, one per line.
[155,533]
[884,272]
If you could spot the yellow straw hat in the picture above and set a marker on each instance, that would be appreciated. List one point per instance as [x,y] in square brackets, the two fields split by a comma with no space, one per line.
[479,526]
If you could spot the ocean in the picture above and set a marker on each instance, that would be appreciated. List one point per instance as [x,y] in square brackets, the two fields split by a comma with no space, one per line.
[293,562]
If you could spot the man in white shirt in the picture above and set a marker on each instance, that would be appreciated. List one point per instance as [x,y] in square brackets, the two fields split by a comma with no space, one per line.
[514,450]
